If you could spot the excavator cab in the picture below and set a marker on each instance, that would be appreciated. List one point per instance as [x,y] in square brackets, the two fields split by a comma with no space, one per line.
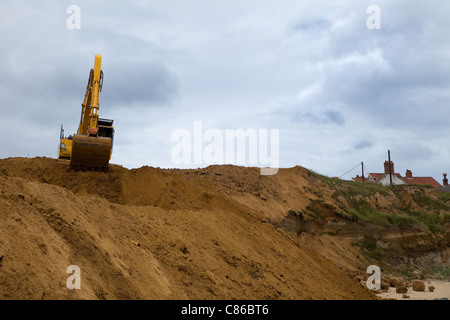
[65,145]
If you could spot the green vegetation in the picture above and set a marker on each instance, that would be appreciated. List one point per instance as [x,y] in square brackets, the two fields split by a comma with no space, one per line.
[368,213]
[444,196]
[431,221]
[400,219]
[312,208]
[428,202]
[351,188]
[435,270]
[354,204]
[369,247]
[408,271]
[405,273]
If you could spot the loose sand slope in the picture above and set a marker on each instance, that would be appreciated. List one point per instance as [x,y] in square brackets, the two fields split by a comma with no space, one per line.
[158,234]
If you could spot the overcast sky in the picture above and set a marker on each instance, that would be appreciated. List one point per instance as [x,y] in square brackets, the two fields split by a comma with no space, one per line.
[339,93]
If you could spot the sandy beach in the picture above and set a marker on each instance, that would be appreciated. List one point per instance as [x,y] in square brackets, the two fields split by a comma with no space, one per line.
[442,290]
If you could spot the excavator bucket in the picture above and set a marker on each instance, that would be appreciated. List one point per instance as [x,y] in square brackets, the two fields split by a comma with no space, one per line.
[90,153]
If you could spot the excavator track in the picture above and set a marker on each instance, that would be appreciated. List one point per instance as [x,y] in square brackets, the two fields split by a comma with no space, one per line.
[90,153]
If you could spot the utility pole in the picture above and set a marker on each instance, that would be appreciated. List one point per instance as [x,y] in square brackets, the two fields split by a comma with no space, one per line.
[362,169]
[390,167]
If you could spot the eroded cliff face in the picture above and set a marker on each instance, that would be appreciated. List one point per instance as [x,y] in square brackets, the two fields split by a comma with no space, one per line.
[405,228]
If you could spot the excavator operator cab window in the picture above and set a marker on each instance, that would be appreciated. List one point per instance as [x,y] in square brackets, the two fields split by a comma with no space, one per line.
[105,128]
[105,132]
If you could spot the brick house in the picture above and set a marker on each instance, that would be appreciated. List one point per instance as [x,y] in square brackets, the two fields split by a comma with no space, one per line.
[384,179]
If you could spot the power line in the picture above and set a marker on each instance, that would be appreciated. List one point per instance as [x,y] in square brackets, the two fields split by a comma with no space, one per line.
[350,170]
[366,168]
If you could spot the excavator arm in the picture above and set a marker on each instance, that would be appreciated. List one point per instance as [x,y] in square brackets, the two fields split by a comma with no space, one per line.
[89,112]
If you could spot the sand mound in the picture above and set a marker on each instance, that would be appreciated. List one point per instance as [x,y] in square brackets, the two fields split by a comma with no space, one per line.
[150,233]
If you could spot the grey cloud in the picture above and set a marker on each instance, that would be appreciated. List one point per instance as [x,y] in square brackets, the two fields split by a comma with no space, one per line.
[42,94]
[407,84]
[334,116]
[363,145]
[411,151]
[326,117]
[130,81]
[309,26]
[49,85]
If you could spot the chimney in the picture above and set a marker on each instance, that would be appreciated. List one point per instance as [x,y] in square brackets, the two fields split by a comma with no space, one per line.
[408,173]
[445,181]
[386,167]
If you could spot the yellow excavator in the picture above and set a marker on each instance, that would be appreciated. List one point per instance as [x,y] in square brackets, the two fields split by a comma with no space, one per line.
[91,147]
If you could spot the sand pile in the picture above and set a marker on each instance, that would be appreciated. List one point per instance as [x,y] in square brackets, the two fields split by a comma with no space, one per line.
[160,234]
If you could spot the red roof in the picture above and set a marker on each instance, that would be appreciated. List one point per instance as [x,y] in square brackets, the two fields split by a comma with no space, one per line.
[422,180]
[414,180]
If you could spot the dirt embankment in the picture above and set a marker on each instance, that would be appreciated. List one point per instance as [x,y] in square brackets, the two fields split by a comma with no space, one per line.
[223,232]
